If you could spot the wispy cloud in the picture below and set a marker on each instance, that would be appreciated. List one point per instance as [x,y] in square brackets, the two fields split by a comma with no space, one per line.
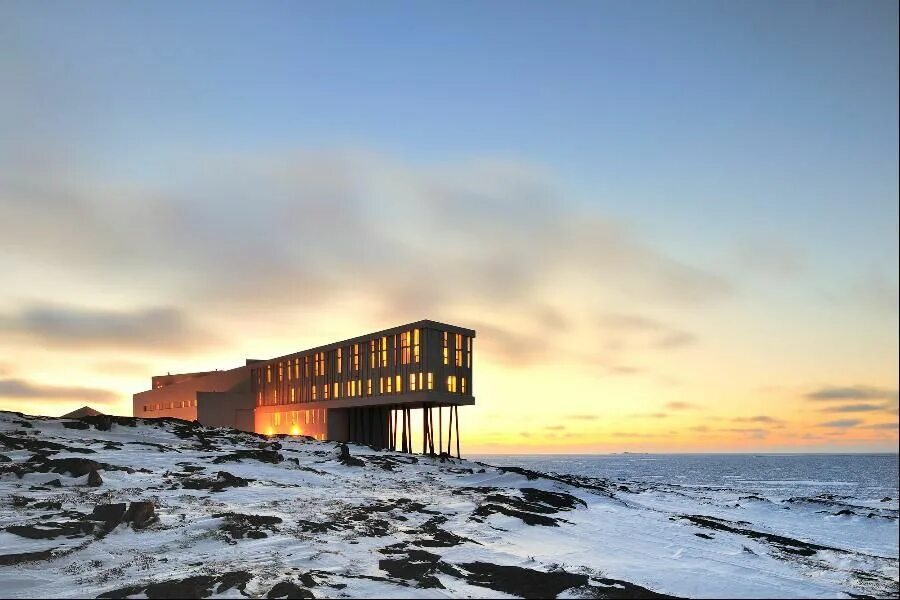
[842,423]
[167,328]
[757,419]
[20,389]
[682,406]
[852,408]
[853,392]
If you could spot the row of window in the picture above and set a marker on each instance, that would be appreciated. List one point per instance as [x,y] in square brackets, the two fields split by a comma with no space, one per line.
[460,341]
[354,388]
[170,405]
[405,347]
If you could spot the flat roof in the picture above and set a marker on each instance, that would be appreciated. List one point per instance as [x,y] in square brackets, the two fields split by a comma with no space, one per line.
[423,324]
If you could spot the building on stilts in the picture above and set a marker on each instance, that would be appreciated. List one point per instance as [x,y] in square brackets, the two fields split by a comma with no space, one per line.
[362,390]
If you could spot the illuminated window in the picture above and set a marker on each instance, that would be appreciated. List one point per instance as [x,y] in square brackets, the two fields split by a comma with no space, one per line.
[459,349]
[313,392]
[381,385]
[431,381]
[384,360]
[368,387]
[372,354]
[306,366]
[275,392]
[405,347]
[276,419]
[446,355]
[420,380]
[292,396]
[337,390]
[356,357]
[296,368]
[462,383]
[280,371]
[325,392]
[259,398]
[340,361]
[412,382]
[451,383]
[399,384]
[416,345]
[268,373]
[389,384]
[469,352]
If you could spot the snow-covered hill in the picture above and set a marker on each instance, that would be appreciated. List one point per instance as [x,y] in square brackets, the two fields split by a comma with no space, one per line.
[116,507]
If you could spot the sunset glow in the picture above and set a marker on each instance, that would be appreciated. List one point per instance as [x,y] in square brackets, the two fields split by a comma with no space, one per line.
[712,271]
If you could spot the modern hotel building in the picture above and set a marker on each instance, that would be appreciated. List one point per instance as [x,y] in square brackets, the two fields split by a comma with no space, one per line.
[360,389]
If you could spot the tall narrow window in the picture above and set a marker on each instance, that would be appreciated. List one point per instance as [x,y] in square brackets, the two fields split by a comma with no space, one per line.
[293,396]
[337,390]
[469,352]
[389,384]
[405,347]
[268,373]
[296,368]
[381,385]
[340,362]
[399,384]
[280,371]
[356,357]
[459,349]
[384,352]
[451,383]
[412,382]
[313,392]
[446,350]
[420,380]
[462,383]
[369,387]
[306,365]
[325,391]
[431,381]
[416,345]
[372,354]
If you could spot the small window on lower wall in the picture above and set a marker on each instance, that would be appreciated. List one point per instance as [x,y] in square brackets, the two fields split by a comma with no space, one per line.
[369,387]
[412,382]
[431,381]
[451,383]
[462,383]
[399,384]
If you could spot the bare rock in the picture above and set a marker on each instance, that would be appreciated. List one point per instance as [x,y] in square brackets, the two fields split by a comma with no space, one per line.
[94,479]
[140,515]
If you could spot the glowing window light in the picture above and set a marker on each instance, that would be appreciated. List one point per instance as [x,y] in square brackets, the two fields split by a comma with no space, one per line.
[340,362]
[431,381]
[416,346]
[399,384]
[369,387]
[446,354]
[412,382]
[462,382]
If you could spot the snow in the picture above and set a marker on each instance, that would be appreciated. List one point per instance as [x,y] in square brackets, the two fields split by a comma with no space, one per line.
[341,526]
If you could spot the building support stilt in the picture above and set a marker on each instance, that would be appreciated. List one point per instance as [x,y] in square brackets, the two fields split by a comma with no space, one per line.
[456,410]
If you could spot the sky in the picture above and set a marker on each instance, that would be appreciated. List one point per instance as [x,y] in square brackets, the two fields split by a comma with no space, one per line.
[674,226]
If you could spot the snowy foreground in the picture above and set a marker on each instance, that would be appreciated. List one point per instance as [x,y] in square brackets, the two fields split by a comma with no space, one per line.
[237,515]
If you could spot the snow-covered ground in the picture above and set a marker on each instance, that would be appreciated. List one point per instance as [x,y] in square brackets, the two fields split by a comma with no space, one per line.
[238,515]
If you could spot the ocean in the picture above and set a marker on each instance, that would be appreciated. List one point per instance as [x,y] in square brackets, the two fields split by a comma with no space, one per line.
[868,477]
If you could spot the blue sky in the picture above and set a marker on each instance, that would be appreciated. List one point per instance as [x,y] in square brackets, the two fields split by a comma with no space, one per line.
[754,142]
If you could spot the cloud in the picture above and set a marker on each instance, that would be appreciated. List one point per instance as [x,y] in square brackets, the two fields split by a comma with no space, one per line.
[849,408]
[167,328]
[754,432]
[654,415]
[842,423]
[297,231]
[883,426]
[555,427]
[757,419]
[854,392]
[583,417]
[19,389]
[682,406]
[620,327]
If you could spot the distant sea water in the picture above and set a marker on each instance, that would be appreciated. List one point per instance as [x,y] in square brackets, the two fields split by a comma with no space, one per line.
[776,476]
